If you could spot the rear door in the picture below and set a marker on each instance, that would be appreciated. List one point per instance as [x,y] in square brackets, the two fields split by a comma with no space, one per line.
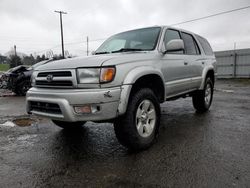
[208,54]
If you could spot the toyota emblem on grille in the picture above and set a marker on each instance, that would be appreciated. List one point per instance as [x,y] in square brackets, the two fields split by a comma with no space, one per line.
[50,78]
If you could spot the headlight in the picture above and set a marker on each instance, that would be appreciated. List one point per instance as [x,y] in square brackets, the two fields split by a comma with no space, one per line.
[32,79]
[95,75]
[88,75]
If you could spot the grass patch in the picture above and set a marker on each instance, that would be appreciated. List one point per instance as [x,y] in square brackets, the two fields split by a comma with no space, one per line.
[4,67]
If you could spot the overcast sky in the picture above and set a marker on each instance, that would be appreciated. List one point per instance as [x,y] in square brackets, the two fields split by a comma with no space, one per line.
[34,26]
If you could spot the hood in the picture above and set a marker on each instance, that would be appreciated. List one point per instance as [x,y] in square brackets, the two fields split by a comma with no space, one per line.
[72,63]
[95,61]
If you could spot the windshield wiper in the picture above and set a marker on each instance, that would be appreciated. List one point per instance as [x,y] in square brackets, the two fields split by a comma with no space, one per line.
[101,53]
[120,50]
[127,50]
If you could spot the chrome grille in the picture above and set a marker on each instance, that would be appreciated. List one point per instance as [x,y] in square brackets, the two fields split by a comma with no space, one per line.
[55,74]
[56,79]
[54,83]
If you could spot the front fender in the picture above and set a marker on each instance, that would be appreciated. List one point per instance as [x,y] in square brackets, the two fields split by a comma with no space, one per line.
[129,80]
[138,72]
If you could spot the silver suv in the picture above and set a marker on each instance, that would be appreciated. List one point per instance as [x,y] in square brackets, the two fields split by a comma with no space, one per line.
[125,81]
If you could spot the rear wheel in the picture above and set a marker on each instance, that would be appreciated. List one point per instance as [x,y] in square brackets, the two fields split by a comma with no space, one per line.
[138,128]
[202,99]
[69,125]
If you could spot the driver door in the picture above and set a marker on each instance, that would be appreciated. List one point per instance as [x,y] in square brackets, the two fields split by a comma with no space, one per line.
[175,67]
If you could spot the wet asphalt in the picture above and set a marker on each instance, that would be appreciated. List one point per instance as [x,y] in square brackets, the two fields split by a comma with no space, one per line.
[192,150]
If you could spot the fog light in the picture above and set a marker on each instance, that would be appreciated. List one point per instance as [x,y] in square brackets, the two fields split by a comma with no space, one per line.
[83,109]
[94,109]
[86,109]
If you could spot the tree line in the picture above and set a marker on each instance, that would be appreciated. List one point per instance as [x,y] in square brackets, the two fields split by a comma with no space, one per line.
[15,60]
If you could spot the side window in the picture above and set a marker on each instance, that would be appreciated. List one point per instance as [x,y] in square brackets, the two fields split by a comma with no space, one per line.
[191,47]
[205,45]
[170,35]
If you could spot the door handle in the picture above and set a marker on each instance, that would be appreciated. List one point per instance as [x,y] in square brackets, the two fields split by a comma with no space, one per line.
[202,62]
[185,63]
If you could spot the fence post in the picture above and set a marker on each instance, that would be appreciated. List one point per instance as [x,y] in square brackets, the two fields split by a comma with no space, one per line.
[235,64]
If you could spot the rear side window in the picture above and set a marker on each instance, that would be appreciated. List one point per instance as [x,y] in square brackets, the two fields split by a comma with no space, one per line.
[171,35]
[191,47]
[205,45]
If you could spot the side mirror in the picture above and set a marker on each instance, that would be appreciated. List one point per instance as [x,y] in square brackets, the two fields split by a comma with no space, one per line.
[174,45]
[93,53]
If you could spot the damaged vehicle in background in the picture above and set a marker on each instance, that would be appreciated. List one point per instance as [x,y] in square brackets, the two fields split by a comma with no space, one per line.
[17,79]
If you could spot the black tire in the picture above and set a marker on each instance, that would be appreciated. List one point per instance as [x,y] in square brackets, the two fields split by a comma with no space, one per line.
[22,87]
[1,84]
[69,125]
[200,101]
[126,126]
[16,91]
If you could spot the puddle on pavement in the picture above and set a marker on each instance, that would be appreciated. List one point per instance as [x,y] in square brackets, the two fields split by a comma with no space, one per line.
[21,122]
[225,90]
[24,122]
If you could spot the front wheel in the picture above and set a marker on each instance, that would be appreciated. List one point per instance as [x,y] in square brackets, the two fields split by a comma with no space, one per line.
[137,129]
[22,87]
[202,99]
[68,125]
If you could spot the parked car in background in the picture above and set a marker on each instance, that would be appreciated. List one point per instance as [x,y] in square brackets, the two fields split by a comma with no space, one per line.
[17,79]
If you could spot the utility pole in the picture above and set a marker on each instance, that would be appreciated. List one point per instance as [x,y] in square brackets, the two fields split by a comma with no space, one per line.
[87,46]
[61,12]
[15,50]
[15,54]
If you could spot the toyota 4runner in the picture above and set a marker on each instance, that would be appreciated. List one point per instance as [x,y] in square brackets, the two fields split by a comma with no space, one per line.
[125,81]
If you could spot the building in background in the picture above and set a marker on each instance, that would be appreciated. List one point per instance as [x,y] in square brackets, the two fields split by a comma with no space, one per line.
[3,59]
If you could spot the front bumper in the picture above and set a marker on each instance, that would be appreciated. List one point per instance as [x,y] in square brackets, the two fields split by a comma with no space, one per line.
[106,99]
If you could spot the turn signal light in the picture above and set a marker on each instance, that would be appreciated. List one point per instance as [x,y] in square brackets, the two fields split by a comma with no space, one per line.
[107,74]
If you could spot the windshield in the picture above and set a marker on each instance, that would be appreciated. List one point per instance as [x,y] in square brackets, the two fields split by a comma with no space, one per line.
[135,40]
